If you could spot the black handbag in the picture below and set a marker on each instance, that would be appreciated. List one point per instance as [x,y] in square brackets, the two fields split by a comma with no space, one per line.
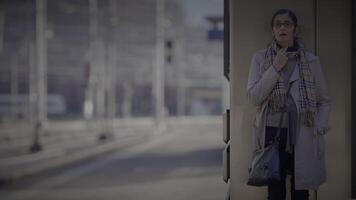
[265,167]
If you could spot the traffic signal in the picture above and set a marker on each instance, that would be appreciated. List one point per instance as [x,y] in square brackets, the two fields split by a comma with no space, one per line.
[169,51]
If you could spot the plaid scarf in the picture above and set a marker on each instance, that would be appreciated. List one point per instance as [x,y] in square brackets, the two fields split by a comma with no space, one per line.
[277,98]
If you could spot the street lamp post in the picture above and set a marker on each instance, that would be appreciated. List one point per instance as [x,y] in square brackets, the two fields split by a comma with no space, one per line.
[159,67]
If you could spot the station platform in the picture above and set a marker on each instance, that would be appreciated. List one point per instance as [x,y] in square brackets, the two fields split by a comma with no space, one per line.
[69,141]
[64,142]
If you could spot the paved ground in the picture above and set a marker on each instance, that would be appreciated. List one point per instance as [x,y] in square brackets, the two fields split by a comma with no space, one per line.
[183,163]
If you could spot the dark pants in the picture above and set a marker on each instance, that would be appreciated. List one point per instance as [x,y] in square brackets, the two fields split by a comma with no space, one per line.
[277,191]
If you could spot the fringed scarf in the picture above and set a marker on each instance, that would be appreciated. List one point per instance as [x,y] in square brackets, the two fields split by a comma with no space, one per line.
[276,99]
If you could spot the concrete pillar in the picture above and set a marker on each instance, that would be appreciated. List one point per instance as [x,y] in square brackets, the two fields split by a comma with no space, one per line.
[334,41]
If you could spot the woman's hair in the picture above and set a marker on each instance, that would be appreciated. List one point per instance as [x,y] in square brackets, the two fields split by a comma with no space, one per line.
[285,11]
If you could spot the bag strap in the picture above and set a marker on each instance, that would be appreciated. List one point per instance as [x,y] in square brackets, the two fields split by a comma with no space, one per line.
[276,137]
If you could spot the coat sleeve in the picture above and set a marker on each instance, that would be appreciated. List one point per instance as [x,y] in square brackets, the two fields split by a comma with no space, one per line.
[259,84]
[323,100]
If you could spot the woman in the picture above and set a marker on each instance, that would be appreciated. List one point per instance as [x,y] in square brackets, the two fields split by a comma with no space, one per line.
[285,78]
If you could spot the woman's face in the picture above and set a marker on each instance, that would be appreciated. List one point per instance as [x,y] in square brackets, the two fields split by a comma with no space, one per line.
[283,30]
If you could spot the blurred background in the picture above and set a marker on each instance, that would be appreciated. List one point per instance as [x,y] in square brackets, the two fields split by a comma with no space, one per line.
[121,99]
[93,47]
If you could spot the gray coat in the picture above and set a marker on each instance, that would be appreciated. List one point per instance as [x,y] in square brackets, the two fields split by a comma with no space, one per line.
[309,166]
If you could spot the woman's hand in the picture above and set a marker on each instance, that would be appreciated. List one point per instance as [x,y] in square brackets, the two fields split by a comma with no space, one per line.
[281,59]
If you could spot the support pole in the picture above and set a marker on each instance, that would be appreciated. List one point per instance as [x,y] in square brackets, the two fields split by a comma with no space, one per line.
[111,70]
[41,74]
[89,108]
[181,88]
[159,67]
[14,88]
[2,27]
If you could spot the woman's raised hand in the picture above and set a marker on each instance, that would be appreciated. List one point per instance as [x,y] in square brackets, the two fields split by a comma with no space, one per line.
[281,59]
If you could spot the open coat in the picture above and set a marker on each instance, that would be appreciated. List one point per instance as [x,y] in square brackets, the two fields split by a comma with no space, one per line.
[310,170]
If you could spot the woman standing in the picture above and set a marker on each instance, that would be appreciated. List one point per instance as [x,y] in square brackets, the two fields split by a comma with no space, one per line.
[285,78]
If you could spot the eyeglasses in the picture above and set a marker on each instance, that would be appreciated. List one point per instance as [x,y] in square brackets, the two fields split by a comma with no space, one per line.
[286,24]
